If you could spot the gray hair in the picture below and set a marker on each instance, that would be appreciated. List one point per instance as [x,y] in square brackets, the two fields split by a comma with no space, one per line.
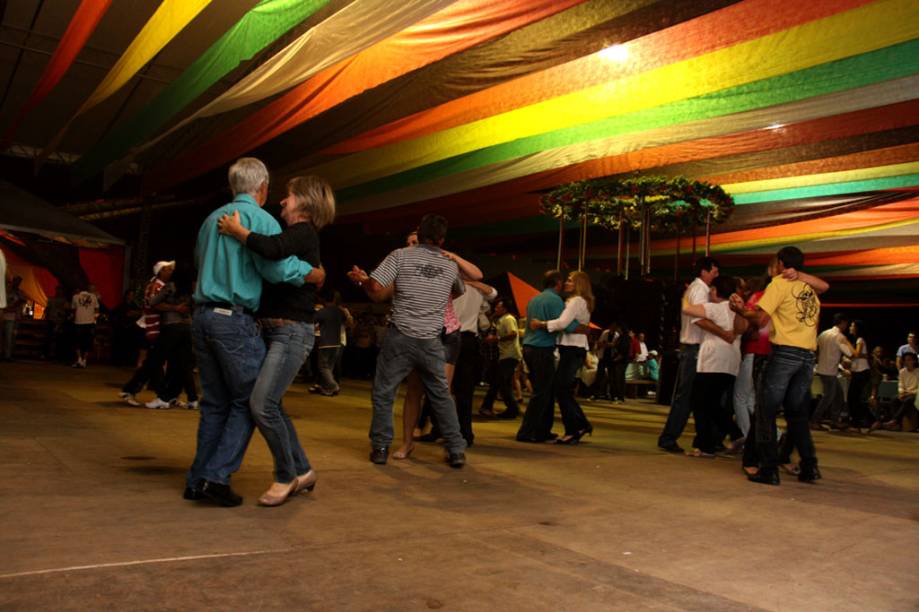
[247,176]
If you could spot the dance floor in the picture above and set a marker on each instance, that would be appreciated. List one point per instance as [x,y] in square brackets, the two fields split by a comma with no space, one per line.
[90,495]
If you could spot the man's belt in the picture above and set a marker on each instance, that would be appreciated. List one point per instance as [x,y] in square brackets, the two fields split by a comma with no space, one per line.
[226,306]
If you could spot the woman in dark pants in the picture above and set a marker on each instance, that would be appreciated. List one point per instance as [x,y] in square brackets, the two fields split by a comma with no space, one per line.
[286,318]
[572,349]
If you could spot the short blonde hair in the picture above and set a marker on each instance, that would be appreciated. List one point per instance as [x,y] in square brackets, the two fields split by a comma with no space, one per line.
[247,175]
[583,288]
[314,197]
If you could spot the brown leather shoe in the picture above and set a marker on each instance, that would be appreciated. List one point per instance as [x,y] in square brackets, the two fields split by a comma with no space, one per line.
[277,493]
[305,481]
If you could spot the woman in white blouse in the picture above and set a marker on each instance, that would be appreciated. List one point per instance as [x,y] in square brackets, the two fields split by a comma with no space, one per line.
[572,349]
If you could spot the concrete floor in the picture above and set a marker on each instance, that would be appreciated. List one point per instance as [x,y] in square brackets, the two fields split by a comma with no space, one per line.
[92,516]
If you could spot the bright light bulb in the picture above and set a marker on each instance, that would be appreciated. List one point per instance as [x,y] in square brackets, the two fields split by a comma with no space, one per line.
[615,53]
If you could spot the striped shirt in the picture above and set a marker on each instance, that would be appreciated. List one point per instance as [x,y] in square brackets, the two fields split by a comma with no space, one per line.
[423,280]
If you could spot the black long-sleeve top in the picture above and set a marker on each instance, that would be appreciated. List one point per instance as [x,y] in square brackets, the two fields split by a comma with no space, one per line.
[283,300]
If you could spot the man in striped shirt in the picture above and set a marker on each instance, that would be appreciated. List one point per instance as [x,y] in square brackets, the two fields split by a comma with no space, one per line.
[423,279]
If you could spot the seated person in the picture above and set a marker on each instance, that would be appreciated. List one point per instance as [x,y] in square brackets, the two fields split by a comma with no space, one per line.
[907,387]
[653,366]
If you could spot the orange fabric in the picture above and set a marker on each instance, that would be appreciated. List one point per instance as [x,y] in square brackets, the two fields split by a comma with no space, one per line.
[521,193]
[456,28]
[872,257]
[723,28]
[81,26]
[523,293]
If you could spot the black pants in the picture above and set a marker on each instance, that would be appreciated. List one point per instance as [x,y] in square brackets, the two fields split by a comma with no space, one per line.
[859,414]
[709,409]
[601,386]
[180,373]
[503,382]
[617,386]
[463,388]
[571,360]
[150,372]
[540,414]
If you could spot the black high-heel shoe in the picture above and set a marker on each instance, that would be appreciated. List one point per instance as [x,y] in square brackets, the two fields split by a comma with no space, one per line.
[574,439]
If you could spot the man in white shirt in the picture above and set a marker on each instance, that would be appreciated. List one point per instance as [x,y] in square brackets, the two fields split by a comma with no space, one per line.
[910,347]
[831,346]
[716,369]
[691,330]
[85,306]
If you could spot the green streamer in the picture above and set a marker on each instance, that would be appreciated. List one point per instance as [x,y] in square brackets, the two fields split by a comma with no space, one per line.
[262,25]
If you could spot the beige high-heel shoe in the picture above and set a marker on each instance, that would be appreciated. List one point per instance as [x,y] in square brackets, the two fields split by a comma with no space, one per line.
[305,481]
[277,493]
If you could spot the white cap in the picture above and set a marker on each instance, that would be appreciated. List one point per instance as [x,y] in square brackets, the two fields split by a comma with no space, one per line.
[162,264]
[652,352]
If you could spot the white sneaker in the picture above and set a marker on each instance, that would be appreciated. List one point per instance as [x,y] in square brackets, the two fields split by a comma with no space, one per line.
[191,405]
[157,404]
[129,398]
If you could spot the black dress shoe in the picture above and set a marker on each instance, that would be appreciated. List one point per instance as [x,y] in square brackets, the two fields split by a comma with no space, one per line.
[192,493]
[672,448]
[379,455]
[456,460]
[769,477]
[809,474]
[220,494]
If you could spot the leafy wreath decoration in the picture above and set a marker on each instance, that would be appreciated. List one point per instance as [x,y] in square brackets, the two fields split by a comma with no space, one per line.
[674,203]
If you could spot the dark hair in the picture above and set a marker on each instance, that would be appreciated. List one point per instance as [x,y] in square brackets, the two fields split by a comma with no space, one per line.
[506,302]
[756,283]
[551,279]
[705,263]
[858,326]
[433,229]
[840,317]
[791,257]
[912,356]
[725,286]
[183,278]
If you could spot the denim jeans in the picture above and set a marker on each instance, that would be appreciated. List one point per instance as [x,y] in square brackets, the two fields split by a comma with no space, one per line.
[681,404]
[832,399]
[288,347]
[328,356]
[230,352]
[786,382]
[540,414]
[399,355]
[571,358]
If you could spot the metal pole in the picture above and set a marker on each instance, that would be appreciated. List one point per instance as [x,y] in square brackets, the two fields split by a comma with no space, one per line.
[628,238]
[582,259]
[708,233]
[561,243]
[641,235]
[676,257]
[648,240]
[619,246]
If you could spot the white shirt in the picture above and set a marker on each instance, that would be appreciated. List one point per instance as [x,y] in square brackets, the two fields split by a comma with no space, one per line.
[715,355]
[85,305]
[696,293]
[469,306]
[643,353]
[575,310]
[860,359]
[908,382]
[831,346]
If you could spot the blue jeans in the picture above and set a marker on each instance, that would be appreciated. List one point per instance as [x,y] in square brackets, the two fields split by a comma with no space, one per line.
[230,352]
[328,357]
[399,356]
[786,382]
[832,399]
[288,347]
[681,404]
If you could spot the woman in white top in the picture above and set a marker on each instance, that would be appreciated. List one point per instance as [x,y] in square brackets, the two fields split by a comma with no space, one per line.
[716,368]
[860,383]
[572,349]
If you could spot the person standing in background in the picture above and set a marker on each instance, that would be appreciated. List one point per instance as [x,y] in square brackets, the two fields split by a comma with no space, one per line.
[85,306]
[11,313]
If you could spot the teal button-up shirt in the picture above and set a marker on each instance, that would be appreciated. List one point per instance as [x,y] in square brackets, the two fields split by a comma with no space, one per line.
[546,306]
[227,271]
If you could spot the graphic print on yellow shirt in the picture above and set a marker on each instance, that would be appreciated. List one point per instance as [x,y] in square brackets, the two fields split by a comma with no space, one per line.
[795,311]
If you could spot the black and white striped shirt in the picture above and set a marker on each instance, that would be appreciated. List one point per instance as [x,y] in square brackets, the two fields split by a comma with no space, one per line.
[424,280]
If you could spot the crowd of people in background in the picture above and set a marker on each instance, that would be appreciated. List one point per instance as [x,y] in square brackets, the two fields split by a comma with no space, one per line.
[256,316]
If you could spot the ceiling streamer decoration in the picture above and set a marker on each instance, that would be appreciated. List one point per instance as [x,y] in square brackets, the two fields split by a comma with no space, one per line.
[456,28]
[258,28]
[81,26]
[858,31]
[169,19]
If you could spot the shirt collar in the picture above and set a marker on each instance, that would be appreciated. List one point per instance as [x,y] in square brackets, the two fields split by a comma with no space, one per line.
[244,198]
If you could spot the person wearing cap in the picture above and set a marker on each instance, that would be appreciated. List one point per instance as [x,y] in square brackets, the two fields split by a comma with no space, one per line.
[653,366]
[150,372]
[228,343]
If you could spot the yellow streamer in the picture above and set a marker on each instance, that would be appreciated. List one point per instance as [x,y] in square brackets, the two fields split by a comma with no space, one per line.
[868,28]
[824,178]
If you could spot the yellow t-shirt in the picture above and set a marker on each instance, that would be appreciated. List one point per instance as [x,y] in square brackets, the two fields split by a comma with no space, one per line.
[795,311]
[508,349]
